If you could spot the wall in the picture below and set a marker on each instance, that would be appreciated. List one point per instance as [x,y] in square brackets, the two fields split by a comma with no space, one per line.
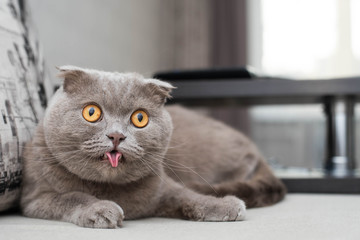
[109,35]
[124,35]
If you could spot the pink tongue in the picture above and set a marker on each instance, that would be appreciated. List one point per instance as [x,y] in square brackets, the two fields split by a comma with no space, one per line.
[113,158]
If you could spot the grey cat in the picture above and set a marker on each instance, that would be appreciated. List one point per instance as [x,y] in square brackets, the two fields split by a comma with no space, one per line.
[108,150]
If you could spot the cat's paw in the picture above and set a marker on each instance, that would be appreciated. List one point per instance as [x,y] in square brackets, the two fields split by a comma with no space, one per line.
[235,209]
[102,214]
[229,208]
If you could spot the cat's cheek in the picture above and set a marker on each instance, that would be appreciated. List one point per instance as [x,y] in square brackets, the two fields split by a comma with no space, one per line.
[95,130]
[89,130]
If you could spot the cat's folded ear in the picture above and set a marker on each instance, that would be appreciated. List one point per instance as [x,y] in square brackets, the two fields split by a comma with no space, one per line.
[74,78]
[161,90]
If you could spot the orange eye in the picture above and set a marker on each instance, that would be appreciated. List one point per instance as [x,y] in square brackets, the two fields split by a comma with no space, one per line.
[140,118]
[91,113]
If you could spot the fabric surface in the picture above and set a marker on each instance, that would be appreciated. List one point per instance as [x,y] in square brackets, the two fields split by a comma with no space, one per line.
[299,216]
[23,88]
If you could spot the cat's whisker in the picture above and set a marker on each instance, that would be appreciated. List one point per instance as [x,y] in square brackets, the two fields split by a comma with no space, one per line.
[148,165]
[161,158]
[177,176]
[173,165]
[178,168]
[193,171]
[165,148]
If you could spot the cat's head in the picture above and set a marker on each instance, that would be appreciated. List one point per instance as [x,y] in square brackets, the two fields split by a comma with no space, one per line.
[108,126]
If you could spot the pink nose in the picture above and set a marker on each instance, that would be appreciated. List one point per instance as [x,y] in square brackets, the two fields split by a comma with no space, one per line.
[116,138]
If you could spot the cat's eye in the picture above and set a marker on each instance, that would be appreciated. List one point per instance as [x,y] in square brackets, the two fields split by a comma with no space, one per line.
[140,118]
[91,113]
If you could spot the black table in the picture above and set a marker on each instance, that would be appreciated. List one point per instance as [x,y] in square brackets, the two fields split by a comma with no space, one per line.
[337,95]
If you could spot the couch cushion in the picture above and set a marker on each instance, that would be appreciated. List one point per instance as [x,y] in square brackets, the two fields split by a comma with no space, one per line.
[23,94]
[299,216]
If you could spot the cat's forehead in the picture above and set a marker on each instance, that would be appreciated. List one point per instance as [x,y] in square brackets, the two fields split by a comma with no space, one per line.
[115,82]
[113,90]
[116,91]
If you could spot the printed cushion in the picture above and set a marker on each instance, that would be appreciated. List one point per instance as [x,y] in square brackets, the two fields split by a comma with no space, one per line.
[24,90]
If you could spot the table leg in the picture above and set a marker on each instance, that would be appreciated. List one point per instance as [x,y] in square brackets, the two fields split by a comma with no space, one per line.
[340,157]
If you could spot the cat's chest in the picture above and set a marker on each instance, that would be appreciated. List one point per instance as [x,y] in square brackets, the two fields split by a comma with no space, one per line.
[137,199]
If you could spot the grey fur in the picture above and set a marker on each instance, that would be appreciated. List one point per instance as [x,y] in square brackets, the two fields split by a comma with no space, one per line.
[160,174]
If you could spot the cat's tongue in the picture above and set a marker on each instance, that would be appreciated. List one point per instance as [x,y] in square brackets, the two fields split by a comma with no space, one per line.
[113,157]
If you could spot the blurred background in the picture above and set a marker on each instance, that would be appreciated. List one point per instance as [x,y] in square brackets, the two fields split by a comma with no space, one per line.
[307,39]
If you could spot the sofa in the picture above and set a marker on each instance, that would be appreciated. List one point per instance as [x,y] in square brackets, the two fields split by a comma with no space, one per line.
[299,216]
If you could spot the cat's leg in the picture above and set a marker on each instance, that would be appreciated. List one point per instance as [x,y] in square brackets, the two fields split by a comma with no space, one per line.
[75,207]
[181,202]
[262,188]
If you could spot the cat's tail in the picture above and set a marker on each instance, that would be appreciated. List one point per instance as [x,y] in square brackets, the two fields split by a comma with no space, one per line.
[262,189]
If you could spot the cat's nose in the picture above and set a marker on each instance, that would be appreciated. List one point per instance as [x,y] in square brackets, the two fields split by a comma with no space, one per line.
[116,138]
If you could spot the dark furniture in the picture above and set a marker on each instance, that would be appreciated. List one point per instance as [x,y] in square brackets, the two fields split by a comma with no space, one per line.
[218,86]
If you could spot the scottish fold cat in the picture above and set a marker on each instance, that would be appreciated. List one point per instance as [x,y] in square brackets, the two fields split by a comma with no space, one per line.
[108,150]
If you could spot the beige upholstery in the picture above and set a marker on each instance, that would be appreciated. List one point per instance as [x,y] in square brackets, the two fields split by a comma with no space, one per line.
[300,216]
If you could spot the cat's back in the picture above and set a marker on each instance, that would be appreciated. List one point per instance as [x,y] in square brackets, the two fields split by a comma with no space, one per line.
[206,147]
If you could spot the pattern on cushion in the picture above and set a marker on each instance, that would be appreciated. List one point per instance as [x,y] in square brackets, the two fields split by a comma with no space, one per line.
[24,90]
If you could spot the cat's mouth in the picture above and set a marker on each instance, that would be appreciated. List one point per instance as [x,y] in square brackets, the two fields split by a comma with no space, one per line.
[113,157]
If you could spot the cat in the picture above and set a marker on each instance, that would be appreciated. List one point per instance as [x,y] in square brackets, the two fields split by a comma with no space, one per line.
[108,149]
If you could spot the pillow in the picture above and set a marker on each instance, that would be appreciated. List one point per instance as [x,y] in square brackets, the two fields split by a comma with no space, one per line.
[24,90]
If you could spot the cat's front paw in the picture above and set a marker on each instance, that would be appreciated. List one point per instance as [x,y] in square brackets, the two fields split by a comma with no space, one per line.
[235,209]
[229,208]
[102,214]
